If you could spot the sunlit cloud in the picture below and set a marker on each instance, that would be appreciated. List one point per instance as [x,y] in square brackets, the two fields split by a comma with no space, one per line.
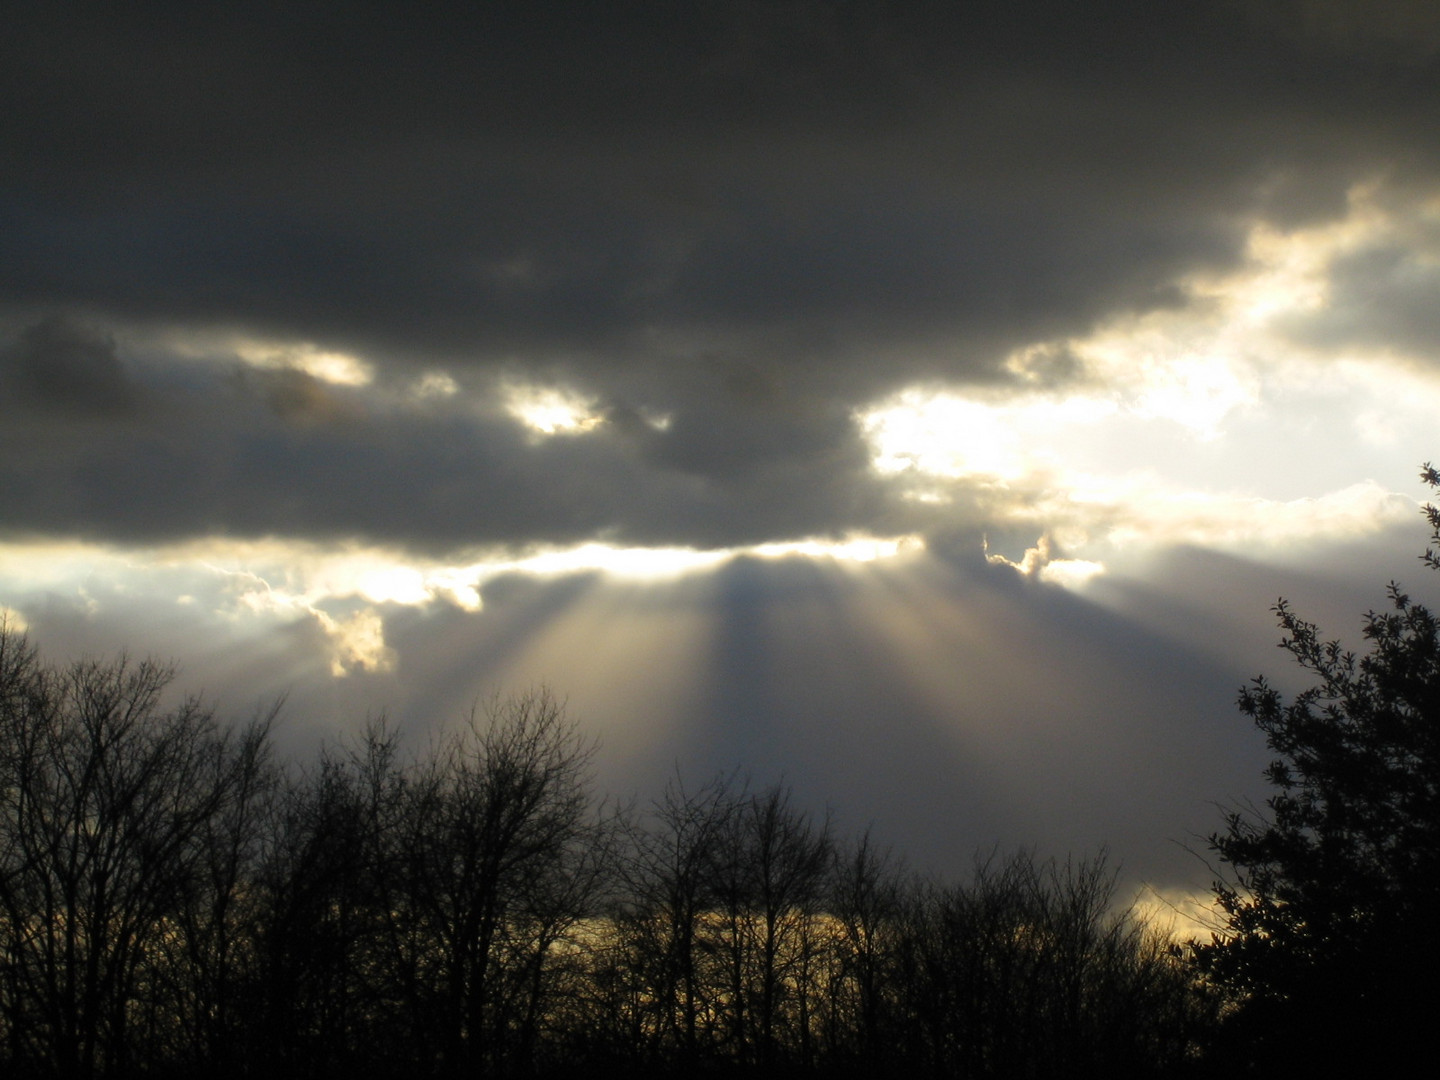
[948,435]
[634,563]
[254,585]
[329,366]
[552,410]
[1150,514]
[1163,427]
[1040,564]
[656,564]
[355,640]
[358,642]
[344,592]
[858,549]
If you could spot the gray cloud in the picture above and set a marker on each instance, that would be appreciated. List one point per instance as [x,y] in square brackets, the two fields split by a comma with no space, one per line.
[752,218]
[60,366]
[280,452]
[1383,298]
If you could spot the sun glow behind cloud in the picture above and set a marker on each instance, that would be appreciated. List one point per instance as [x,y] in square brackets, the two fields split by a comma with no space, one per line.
[344,591]
[339,368]
[1166,425]
[1159,433]
[551,410]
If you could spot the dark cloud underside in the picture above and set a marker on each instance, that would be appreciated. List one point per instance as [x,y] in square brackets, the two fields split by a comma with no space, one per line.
[648,202]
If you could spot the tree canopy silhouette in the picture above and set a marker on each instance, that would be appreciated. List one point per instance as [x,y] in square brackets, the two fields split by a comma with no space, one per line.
[1331,936]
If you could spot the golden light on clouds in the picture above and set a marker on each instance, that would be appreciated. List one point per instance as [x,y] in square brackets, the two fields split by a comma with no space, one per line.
[329,366]
[649,564]
[343,591]
[942,441]
[658,564]
[551,410]
[1152,430]
[1038,562]
[947,435]
[855,549]
[1165,423]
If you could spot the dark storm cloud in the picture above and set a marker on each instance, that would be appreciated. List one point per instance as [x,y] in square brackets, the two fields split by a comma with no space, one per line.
[751,217]
[61,366]
[255,452]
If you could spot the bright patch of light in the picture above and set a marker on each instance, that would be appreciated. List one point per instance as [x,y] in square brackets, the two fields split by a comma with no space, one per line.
[1180,914]
[325,365]
[656,564]
[862,549]
[1198,392]
[456,585]
[1071,573]
[1287,271]
[1290,277]
[1146,512]
[344,592]
[948,435]
[393,585]
[552,410]
[634,563]
[943,435]
[1214,422]
[311,576]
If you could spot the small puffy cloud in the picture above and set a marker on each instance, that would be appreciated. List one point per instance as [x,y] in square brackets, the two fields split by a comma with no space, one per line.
[1041,564]
[357,642]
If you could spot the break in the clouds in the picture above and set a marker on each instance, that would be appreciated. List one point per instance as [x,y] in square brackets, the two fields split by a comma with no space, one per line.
[333,338]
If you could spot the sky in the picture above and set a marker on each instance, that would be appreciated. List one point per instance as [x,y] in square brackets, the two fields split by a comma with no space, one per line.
[919,403]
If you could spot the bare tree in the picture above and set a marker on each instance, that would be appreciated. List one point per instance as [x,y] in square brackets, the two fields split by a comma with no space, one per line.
[327,996]
[771,871]
[499,872]
[106,797]
[865,905]
[1032,970]
[668,876]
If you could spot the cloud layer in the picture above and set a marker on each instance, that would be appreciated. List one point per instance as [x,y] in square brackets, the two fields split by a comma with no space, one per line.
[748,220]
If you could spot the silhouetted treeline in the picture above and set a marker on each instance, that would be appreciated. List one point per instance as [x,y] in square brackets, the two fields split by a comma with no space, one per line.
[174,901]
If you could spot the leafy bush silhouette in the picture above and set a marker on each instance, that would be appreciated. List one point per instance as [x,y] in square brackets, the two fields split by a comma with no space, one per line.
[1330,943]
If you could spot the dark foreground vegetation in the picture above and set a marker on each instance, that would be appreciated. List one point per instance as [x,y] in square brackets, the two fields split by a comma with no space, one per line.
[176,902]
[172,901]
